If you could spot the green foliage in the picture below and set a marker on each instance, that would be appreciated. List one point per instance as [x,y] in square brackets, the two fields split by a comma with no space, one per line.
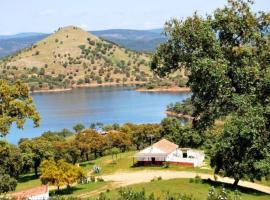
[172,129]
[78,128]
[7,183]
[222,194]
[11,160]
[241,144]
[36,150]
[60,173]
[227,55]
[16,105]
[186,107]
[129,194]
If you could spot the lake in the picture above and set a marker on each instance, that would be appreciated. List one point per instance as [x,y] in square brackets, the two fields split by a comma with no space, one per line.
[107,105]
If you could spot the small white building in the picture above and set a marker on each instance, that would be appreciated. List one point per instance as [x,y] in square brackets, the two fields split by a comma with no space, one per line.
[166,151]
[38,193]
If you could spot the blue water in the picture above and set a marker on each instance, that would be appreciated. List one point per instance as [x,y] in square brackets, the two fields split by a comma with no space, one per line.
[107,105]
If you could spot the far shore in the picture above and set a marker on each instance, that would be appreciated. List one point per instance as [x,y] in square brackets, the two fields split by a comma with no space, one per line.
[167,89]
[90,85]
[93,85]
[179,115]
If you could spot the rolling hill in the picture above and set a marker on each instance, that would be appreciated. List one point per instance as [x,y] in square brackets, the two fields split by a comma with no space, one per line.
[74,57]
[138,40]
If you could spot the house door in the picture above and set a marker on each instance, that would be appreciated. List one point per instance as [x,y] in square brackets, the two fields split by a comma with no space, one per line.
[153,159]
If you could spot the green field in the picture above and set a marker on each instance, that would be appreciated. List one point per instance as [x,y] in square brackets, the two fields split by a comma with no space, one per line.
[183,186]
[124,163]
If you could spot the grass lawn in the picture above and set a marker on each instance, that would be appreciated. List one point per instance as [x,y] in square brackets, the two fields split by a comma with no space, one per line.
[81,189]
[124,162]
[183,186]
[27,181]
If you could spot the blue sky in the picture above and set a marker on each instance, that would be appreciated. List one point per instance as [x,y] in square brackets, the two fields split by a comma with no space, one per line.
[47,15]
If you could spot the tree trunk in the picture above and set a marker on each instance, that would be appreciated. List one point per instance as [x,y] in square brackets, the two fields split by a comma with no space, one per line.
[36,171]
[236,181]
[87,156]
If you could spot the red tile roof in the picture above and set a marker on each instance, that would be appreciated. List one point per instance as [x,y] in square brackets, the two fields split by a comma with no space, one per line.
[31,192]
[166,146]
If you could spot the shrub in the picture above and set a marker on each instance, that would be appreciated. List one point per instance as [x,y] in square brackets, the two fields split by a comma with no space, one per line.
[99,179]
[197,179]
[93,179]
[221,194]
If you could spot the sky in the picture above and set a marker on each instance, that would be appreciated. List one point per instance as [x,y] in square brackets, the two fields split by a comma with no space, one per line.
[47,15]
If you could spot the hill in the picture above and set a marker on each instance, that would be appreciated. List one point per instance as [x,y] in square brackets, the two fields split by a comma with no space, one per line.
[138,40]
[72,57]
[12,44]
[21,35]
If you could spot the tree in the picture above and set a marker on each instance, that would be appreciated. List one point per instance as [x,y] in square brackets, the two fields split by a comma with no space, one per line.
[11,161]
[78,127]
[118,140]
[89,141]
[227,55]
[145,134]
[16,105]
[183,135]
[7,183]
[241,151]
[67,150]
[38,149]
[60,173]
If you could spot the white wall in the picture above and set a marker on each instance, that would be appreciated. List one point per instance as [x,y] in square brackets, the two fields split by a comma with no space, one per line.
[193,156]
[44,196]
[149,158]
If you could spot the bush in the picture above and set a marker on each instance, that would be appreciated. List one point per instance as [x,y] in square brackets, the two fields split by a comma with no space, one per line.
[93,179]
[99,179]
[221,194]
[197,179]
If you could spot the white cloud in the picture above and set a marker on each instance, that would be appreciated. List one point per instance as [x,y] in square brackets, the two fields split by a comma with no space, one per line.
[48,12]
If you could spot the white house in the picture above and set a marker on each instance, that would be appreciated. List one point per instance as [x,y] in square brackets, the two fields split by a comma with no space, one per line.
[38,193]
[166,151]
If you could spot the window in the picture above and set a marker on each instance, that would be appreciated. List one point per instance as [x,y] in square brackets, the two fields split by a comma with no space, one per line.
[184,154]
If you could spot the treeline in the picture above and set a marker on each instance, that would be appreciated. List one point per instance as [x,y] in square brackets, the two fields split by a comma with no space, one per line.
[185,107]
[156,82]
[88,144]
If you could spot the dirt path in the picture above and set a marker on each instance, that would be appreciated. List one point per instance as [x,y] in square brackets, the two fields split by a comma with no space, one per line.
[129,178]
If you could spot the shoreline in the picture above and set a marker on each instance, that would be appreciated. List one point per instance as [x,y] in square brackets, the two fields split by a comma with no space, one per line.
[174,89]
[178,115]
[91,85]
[169,89]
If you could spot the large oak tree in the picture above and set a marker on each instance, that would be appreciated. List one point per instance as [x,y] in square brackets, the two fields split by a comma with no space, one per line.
[227,57]
[16,106]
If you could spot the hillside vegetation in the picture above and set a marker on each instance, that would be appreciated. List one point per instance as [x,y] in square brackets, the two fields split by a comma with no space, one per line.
[73,57]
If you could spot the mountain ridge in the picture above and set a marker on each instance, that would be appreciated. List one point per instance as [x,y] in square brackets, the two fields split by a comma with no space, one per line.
[138,40]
